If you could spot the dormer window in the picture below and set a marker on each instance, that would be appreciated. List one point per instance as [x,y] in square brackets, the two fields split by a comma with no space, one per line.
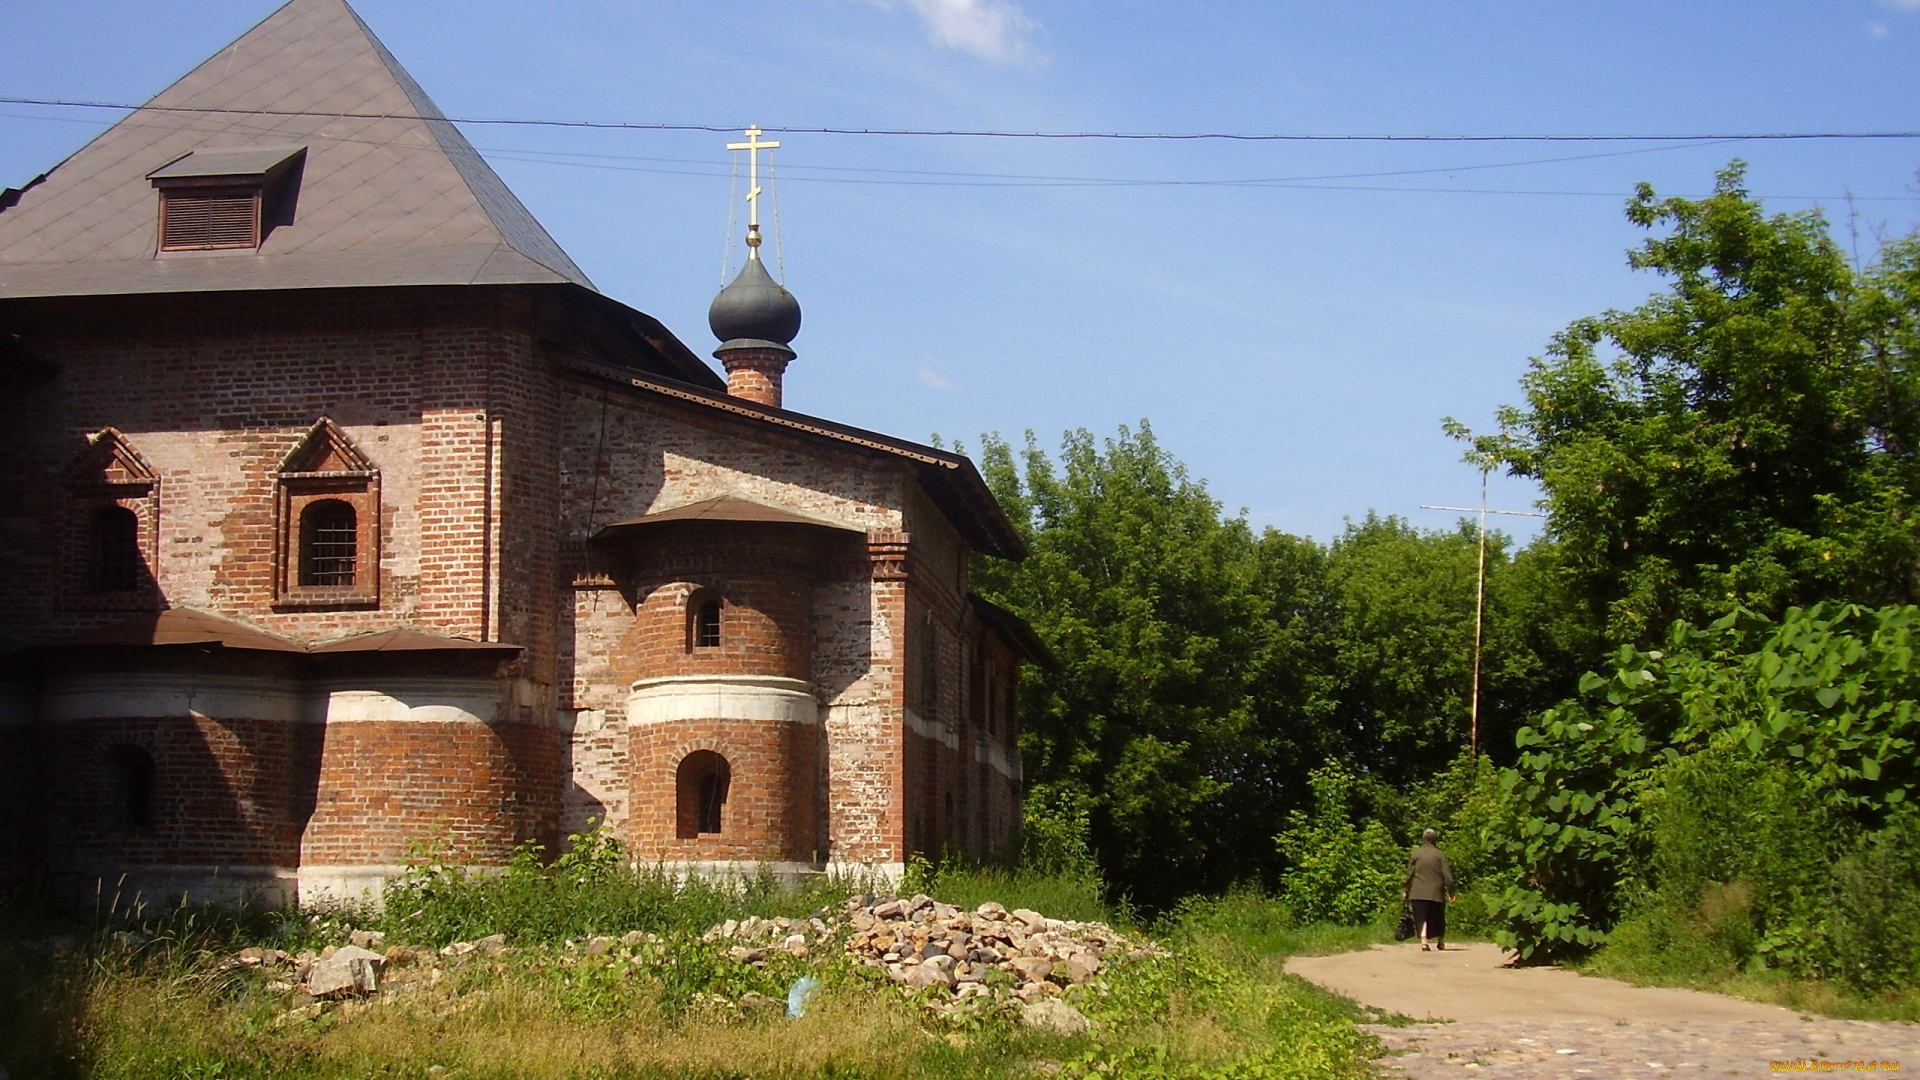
[228,198]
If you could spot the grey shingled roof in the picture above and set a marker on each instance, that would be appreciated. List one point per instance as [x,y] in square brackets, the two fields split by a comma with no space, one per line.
[403,199]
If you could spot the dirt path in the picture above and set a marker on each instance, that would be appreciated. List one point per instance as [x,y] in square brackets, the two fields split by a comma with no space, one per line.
[1486,1019]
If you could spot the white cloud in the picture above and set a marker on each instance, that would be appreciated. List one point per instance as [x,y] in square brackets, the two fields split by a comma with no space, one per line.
[931,377]
[1877,30]
[1901,5]
[995,30]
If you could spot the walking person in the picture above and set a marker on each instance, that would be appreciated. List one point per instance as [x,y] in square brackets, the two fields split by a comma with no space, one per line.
[1430,888]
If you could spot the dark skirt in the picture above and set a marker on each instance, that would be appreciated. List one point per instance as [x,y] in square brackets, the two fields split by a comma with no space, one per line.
[1432,916]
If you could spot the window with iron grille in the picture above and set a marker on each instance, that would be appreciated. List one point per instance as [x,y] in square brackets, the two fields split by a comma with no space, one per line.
[115,562]
[209,219]
[706,622]
[329,544]
[327,524]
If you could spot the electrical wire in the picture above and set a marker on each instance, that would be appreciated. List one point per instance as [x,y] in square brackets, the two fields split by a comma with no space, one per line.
[1143,136]
[952,178]
[1269,185]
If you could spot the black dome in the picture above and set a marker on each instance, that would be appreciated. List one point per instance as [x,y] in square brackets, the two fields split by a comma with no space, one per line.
[754,311]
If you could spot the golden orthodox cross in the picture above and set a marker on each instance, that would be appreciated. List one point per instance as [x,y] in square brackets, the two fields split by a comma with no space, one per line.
[753,146]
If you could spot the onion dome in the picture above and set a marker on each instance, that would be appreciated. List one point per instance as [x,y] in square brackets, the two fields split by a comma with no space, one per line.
[755,312]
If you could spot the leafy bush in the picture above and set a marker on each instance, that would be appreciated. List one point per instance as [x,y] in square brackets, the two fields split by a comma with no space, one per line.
[1750,785]
[1056,872]
[1248,925]
[1465,803]
[1340,870]
[1056,837]
[1571,817]
[1874,922]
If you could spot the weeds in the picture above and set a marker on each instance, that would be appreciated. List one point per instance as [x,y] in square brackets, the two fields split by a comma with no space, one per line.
[145,994]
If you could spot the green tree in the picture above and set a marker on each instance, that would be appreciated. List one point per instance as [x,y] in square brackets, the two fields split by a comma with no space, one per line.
[1402,646]
[1399,644]
[1184,712]
[1745,438]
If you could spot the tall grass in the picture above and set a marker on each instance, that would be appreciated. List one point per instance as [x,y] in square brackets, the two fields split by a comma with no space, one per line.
[966,884]
[592,889]
[164,999]
[1255,926]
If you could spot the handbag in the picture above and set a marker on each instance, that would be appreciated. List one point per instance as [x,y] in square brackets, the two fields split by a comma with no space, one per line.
[1405,929]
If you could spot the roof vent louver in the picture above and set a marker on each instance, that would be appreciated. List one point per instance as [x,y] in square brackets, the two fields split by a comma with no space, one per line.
[228,198]
[206,220]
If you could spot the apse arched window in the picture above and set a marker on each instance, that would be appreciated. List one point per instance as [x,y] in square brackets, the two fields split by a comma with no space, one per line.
[703,623]
[114,551]
[701,794]
[329,543]
[131,777]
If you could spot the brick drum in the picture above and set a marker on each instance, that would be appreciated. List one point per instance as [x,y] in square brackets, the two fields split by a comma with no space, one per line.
[769,813]
[476,789]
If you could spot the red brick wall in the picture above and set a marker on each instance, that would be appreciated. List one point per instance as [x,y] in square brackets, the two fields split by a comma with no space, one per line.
[769,812]
[763,576]
[215,390]
[226,791]
[958,749]
[481,787]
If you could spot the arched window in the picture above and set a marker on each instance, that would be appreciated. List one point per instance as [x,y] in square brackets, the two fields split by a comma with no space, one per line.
[701,794]
[329,543]
[703,622]
[130,777]
[327,524]
[114,558]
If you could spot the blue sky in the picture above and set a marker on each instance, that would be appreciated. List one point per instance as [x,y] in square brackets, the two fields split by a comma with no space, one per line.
[1295,344]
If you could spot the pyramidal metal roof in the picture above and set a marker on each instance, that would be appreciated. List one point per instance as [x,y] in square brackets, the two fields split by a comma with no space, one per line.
[399,199]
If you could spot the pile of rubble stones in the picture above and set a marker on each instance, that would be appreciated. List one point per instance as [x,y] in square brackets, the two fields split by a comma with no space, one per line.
[987,952]
[986,957]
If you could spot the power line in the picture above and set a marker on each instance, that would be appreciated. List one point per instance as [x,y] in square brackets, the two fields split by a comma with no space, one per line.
[871,176]
[538,155]
[1027,178]
[1139,136]
[1266,185]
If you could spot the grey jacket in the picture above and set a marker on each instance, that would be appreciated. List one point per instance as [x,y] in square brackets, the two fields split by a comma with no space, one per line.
[1428,875]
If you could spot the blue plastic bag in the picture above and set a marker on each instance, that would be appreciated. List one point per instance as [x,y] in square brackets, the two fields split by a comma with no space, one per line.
[797,995]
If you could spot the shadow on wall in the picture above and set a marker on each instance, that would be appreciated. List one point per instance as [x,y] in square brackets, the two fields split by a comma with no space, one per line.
[168,806]
[343,771]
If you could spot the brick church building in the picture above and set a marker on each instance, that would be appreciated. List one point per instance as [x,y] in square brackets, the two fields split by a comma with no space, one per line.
[342,512]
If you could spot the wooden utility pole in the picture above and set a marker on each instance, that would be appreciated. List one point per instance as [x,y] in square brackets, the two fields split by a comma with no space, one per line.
[1479,605]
